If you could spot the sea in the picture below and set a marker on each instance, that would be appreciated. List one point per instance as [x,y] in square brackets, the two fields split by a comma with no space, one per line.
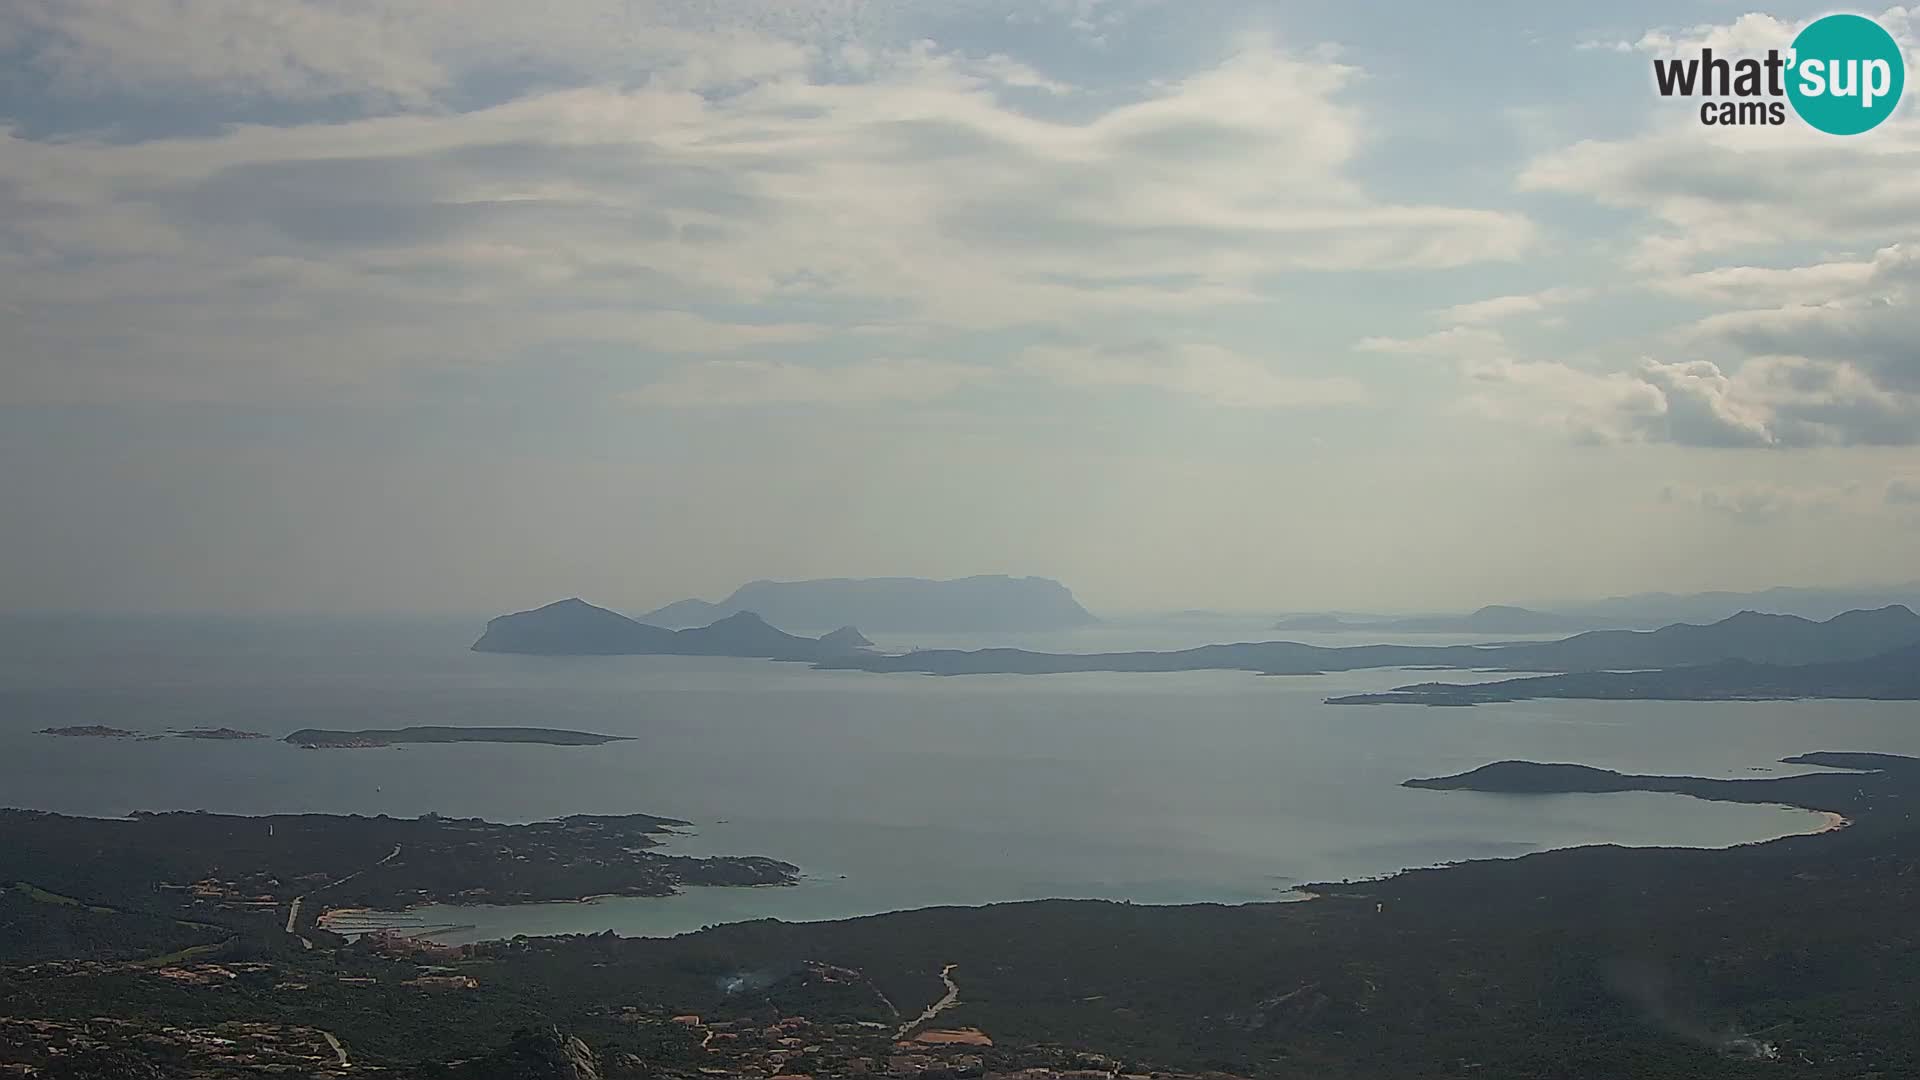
[890,792]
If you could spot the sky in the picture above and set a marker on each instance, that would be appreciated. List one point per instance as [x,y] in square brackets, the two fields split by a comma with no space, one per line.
[363,305]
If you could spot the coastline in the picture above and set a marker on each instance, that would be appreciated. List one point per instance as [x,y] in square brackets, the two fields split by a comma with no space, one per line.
[1221,895]
[1835,821]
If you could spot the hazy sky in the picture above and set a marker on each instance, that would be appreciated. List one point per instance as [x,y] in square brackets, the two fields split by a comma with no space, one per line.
[352,304]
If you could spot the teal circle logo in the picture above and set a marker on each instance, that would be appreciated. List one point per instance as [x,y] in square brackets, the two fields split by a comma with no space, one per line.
[1847,74]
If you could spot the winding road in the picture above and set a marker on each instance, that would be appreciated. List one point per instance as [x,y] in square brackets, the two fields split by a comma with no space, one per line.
[338,1050]
[951,999]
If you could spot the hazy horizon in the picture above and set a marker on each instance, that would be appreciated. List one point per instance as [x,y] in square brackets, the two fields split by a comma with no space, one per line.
[322,308]
[1873,594]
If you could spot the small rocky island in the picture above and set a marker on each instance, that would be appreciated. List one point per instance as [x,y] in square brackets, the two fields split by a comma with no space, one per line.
[325,739]
[101,731]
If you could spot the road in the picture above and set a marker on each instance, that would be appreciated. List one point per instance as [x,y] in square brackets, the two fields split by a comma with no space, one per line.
[338,1050]
[293,909]
[951,999]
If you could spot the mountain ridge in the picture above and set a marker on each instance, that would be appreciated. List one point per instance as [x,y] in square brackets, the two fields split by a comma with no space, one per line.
[1749,636]
[983,602]
[573,627]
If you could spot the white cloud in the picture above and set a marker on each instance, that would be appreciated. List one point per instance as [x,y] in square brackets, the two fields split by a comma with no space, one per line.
[763,382]
[1866,314]
[1501,308]
[1452,343]
[1205,372]
[910,194]
[412,56]
[1756,504]
[1753,287]
[1708,190]
[1780,402]
[1753,32]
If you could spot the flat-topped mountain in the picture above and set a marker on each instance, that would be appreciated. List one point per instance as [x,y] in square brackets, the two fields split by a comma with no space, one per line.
[574,627]
[962,605]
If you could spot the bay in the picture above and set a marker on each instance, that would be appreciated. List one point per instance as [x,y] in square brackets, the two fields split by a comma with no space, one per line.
[889,791]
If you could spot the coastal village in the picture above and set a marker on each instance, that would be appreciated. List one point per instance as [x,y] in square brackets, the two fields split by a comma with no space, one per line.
[752,1047]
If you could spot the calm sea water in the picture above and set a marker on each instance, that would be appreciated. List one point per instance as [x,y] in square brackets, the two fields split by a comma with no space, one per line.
[890,791]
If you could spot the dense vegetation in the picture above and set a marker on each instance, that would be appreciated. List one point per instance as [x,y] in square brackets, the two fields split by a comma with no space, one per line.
[1798,955]
[242,872]
[1894,676]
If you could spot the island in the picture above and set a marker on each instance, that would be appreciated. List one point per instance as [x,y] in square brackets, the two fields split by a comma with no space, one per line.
[98,731]
[1492,619]
[324,739]
[1750,636]
[573,627]
[983,603]
[1893,676]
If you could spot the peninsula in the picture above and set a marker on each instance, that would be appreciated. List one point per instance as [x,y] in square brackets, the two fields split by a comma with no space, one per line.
[1871,788]
[1893,676]
[288,869]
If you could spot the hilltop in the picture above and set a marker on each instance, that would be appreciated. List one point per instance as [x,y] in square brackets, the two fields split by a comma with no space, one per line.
[1892,676]
[986,602]
[574,627]
[1748,636]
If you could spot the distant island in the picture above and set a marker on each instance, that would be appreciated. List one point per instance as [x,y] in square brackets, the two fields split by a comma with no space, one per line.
[98,731]
[1660,608]
[984,603]
[1893,676]
[1641,611]
[1493,619]
[320,738]
[574,627]
[1857,654]
[1749,636]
